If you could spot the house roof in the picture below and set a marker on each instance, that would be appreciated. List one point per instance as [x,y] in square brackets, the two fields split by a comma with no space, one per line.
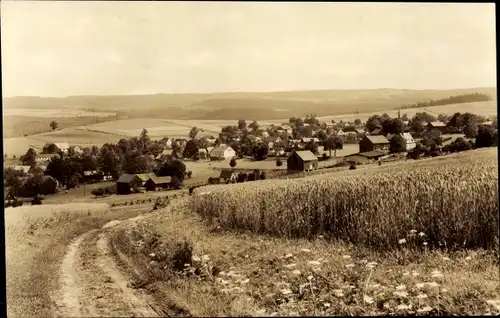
[306,155]
[24,169]
[379,139]
[202,150]
[437,124]
[486,123]
[90,172]
[62,145]
[48,178]
[360,131]
[408,137]
[372,154]
[219,149]
[160,180]
[126,178]
[226,173]
[146,176]
[376,131]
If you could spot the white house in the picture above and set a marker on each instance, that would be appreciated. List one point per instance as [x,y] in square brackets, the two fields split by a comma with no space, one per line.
[410,141]
[222,152]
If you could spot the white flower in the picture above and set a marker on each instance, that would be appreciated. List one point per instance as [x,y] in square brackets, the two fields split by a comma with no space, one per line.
[468,258]
[205,258]
[444,290]
[425,309]
[196,258]
[305,250]
[286,291]
[338,292]
[292,265]
[420,285]
[421,234]
[346,257]
[368,299]
[401,287]
[296,272]
[406,273]
[246,281]
[422,296]
[327,305]
[364,261]
[310,277]
[413,231]
[152,255]
[403,307]
[289,255]
[350,265]
[316,269]
[374,286]
[402,241]
[401,294]
[314,263]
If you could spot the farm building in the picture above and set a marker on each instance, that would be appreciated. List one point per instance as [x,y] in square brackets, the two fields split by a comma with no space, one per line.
[370,143]
[302,161]
[485,124]
[340,133]
[222,152]
[9,197]
[376,132]
[227,176]
[45,157]
[168,154]
[436,125]
[48,185]
[127,182]
[409,140]
[145,177]
[23,169]
[202,153]
[373,155]
[156,183]
[356,158]
[360,131]
[55,147]
[92,175]
[306,140]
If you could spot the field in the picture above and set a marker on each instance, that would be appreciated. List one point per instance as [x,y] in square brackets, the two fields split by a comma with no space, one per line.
[53,112]
[277,256]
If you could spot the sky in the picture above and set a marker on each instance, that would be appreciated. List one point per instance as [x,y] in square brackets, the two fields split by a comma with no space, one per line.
[122,48]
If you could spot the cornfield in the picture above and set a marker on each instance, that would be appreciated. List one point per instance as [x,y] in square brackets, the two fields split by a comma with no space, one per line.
[454,205]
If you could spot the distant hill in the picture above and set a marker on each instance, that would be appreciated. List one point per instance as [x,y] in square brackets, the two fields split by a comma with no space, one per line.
[250,105]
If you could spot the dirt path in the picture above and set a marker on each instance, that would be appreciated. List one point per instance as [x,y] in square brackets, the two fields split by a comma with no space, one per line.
[91,283]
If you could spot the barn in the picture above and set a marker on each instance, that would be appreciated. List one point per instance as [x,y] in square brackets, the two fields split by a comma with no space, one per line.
[127,182]
[302,161]
[227,176]
[48,185]
[157,183]
[202,153]
[55,147]
[370,143]
[222,152]
[437,125]
[145,177]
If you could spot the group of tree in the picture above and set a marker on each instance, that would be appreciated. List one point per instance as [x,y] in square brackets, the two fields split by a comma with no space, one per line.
[464,98]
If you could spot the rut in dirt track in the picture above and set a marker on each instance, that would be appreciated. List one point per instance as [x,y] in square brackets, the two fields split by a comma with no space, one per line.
[91,283]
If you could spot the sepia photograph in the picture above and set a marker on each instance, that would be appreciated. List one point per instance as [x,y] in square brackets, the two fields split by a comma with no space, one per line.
[256,159]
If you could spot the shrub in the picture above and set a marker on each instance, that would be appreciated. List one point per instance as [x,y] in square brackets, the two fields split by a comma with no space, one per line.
[98,192]
[279,163]
[455,205]
[232,163]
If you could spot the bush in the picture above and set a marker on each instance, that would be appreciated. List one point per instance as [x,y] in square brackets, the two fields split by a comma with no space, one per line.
[98,192]
[263,175]
[352,166]
[279,163]
[242,177]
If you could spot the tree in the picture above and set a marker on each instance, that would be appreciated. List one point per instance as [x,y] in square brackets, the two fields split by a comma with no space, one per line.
[110,161]
[145,140]
[260,152]
[242,124]
[397,144]
[192,149]
[333,143]
[173,168]
[470,129]
[357,122]
[279,163]
[432,137]
[374,122]
[416,127]
[242,177]
[486,137]
[299,122]
[312,147]
[393,126]
[417,152]
[12,179]
[29,158]
[292,120]
[232,163]
[194,131]
[54,125]
[57,169]
[254,125]
[405,117]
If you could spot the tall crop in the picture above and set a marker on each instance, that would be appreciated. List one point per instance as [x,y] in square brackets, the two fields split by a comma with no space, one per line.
[454,205]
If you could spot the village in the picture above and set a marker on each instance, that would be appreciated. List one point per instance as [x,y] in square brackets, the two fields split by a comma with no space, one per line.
[240,153]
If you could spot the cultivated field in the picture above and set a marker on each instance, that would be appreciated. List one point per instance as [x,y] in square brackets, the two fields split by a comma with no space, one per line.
[53,112]
[367,252]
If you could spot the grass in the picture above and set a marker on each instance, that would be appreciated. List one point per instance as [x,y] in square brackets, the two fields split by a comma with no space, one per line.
[36,240]
[455,205]
[245,274]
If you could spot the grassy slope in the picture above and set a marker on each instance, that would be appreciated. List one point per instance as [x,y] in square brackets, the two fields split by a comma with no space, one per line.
[326,278]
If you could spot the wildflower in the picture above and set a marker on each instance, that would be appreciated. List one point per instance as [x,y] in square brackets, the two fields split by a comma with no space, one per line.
[310,277]
[205,258]
[289,255]
[152,255]
[468,258]
[420,285]
[286,291]
[292,265]
[296,272]
[403,307]
[421,296]
[305,250]
[421,234]
[425,243]
[350,265]
[433,284]
[436,274]
[346,257]
[338,292]
[414,273]
[368,299]
[402,241]
[371,264]
[327,305]
[413,232]
[401,294]
[406,273]
[425,309]
[400,287]
[495,303]
[314,263]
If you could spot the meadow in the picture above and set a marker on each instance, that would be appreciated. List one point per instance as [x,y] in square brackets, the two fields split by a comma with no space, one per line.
[333,244]
[455,205]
